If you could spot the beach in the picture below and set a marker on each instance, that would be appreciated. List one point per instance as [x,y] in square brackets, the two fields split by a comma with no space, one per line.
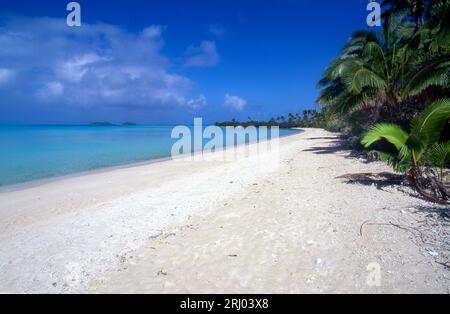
[215,227]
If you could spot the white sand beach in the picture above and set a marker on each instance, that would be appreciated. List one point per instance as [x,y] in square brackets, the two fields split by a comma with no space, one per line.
[224,228]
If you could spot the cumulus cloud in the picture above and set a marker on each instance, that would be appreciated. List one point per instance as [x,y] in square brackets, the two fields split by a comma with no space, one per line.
[50,91]
[205,55]
[197,103]
[153,31]
[235,102]
[75,69]
[93,65]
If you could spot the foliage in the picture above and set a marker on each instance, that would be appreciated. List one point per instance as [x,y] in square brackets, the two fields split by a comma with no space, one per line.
[390,82]
[308,119]
[420,148]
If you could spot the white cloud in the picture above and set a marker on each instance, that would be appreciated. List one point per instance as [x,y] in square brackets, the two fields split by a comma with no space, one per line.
[5,75]
[75,69]
[50,90]
[217,30]
[235,102]
[197,103]
[153,31]
[94,65]
[205,55]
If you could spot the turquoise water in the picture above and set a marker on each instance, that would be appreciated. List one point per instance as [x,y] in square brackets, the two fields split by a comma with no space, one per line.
[29,153]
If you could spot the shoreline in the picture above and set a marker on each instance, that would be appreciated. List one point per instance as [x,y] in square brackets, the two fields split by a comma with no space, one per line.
[38,182]
[217,227]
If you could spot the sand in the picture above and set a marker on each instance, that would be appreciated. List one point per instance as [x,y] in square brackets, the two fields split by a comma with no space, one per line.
[215,227]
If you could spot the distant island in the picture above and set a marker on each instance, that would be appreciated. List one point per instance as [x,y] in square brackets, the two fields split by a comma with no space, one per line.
[308,118]
[106,123]
[102,123]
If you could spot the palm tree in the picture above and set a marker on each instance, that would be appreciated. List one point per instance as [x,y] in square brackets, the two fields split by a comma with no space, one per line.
[418,149]
[435,32]
[417,10]
[380,73]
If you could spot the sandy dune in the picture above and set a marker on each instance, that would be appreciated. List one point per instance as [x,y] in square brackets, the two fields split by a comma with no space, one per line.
[222,228]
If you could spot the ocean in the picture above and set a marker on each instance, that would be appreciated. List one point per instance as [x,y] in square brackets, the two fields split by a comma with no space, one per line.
[29,153]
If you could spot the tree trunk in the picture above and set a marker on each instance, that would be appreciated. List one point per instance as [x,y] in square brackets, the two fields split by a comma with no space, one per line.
[415,178]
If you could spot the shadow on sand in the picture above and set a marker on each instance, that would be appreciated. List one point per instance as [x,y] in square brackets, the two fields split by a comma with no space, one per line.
[332,146]
[323,138]
[380,180]
[442,211]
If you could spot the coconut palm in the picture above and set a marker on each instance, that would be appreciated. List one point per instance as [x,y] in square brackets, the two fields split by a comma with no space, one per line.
[291,118]
[435,32]
[380,73]
[418,149]
[416,9]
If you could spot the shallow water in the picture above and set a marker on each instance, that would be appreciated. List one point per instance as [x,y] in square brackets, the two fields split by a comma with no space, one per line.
[29,153]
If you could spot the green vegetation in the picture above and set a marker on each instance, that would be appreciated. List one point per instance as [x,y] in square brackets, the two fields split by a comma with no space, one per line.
[395,83]
[420,151]
[308,119]
[102,123]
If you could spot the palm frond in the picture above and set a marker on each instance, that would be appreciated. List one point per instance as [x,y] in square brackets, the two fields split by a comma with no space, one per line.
[439,154]
[393,161]
[356,43]
[344,68]
[430,71]
[439,77]
[348,103]
[428,126]
[364,77]
[373,50]
[390,132]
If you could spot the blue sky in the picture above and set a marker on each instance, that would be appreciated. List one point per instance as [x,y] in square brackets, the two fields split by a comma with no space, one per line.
[167,61]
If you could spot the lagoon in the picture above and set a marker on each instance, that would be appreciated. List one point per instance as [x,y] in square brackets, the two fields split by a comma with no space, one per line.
[29,153]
